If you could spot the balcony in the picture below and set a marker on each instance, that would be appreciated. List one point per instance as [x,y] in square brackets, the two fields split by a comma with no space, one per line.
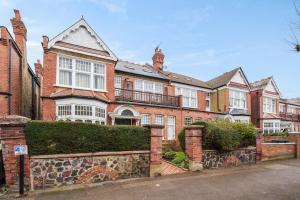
[146,98]
[289,116]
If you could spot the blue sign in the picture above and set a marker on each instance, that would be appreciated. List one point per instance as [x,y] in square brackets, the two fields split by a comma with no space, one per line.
[20,150]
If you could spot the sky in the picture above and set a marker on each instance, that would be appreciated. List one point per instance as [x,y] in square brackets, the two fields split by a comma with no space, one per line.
[200,38]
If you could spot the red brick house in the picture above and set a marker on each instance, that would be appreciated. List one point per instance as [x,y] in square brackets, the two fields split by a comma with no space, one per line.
[83,80]
[20,87]
[289,113]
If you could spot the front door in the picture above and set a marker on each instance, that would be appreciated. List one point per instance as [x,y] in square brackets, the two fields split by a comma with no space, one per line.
[120,121]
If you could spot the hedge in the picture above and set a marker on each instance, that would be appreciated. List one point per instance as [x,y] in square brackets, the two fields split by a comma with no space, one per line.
[223,135]
[45,138]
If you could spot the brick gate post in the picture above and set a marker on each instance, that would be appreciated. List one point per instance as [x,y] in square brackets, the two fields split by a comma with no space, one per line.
[298,146]
[156,132]
[259,140]
[11,134]
[193,147]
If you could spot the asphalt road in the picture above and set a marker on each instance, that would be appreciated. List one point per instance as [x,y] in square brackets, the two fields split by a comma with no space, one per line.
[275,180]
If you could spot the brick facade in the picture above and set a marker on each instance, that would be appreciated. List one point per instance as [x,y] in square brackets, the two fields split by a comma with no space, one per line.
[19,89]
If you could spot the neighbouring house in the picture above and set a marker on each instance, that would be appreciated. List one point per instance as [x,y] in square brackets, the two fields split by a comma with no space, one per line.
[289,112]
[265,98]
[20,86]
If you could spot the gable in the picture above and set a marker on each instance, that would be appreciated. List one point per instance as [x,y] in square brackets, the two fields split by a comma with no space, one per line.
[239,78]
[82,37]
[271,87]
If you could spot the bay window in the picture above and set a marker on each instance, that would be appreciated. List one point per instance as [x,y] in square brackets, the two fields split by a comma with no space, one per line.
[81,110]
[82,74]
[237,99]
[189,96]
[269,105]
[271,126]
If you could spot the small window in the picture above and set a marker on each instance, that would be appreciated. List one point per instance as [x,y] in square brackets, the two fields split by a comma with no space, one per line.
[83,110]
[100,112]
[64,110]
[188,121]
[145,119]
[159,119]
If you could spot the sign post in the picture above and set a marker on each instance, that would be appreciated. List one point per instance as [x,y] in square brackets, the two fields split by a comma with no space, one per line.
[21,150]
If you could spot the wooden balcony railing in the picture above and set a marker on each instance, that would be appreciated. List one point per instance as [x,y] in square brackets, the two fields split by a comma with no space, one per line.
[289,116]
[146,98]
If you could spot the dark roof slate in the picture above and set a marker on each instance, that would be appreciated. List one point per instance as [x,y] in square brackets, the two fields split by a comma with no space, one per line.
[222,79]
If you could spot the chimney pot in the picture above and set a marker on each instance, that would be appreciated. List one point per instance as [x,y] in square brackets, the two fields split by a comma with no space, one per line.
[158,59]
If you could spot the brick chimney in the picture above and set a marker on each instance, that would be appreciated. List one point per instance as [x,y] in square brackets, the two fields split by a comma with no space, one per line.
[45,42]
[158,59]
[20,31]
[38,69]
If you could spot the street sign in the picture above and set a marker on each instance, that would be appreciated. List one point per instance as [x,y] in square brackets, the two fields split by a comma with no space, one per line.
[20,150]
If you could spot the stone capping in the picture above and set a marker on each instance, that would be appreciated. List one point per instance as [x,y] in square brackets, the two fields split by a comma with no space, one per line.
[13,121]
[270,143]
[192,127]
[154,126]
[109,153]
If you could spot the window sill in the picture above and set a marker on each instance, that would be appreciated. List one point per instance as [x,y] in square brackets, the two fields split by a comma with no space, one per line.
[78,88]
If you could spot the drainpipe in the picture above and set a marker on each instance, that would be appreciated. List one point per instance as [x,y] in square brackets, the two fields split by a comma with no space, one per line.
[9,77]
[218,105]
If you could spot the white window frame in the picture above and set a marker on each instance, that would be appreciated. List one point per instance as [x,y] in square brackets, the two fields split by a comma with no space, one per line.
[171,127]
[291,109]
[207,101]
[186,122]
[140,85]
[73,102]
[275,126]
[73,71]
[269,105]
[118,85]
[187,96]
[145,119]
[233,100]
[159,119]
[282,108]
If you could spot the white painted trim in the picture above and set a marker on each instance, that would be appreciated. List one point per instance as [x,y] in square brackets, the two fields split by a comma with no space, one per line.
[74,73]
[270,95]
[191,87]
[75,26]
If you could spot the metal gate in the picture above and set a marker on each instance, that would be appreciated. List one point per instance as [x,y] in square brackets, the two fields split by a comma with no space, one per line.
[2,175]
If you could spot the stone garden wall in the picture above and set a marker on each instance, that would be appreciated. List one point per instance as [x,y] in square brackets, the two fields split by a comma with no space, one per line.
[212,159]
[66,169]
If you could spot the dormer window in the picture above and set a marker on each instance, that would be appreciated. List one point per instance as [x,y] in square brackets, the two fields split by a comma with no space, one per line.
[81,74]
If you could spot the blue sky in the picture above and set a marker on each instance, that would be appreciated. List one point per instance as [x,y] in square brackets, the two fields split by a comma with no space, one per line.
[199,38]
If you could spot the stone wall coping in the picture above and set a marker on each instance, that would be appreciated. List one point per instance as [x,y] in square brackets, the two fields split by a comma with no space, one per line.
[13,121]
[270,143]
[213,150]
[194,127]
[154,126]
[110,153]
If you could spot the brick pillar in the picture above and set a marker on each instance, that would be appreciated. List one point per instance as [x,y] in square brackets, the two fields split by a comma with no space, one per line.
[156,132]
[11,134]
[193,147]
[259,140]
[298,146]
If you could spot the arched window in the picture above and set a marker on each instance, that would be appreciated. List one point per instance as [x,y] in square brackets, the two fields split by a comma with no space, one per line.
[127,113]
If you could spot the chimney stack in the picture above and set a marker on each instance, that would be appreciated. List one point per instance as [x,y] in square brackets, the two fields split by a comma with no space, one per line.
[45,42]
[158,59]
[20,31]
[38,69]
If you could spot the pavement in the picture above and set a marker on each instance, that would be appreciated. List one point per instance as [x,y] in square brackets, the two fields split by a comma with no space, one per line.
[271,180]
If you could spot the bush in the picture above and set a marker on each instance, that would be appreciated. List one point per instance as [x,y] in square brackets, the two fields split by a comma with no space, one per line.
[169,155]
[223,135]
[277,134]
[71,137]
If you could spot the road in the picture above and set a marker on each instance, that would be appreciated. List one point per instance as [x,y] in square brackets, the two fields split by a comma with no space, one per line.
[275,180]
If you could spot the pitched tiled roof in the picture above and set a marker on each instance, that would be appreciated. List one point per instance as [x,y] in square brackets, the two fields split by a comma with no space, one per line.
[134,68]
[261,84]
[179,78]
[79,93]
[222,79]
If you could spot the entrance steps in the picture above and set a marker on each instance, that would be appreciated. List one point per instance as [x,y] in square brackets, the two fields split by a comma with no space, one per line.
[169,168]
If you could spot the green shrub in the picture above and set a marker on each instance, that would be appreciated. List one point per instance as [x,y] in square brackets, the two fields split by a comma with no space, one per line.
[169,155]
[71,137]
[277,134]
[223,135]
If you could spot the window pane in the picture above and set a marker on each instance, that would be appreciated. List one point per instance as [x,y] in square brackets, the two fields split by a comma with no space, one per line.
[83,66]
[65,63]
[100,112]
[83,80]
[99,82]
[65,77]
[159,119]
[148,86]
[158,88]
[138,85]
[145,119]
[99,69]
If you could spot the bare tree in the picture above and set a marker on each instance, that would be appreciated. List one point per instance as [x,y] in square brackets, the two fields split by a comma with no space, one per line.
[295,44]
